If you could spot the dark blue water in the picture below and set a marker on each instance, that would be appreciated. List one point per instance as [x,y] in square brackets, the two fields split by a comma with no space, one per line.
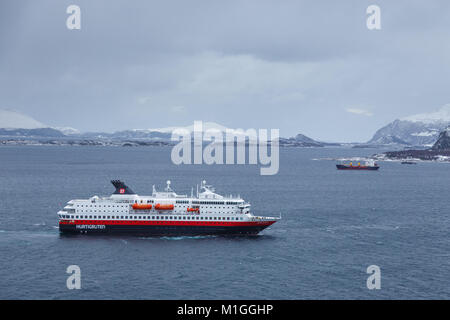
[335,224]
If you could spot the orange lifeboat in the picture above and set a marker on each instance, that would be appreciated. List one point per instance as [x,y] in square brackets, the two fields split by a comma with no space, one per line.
[192,209]
[141,206]
[159,206]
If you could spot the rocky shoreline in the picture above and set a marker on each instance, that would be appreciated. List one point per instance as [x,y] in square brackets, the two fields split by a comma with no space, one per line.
[425,155]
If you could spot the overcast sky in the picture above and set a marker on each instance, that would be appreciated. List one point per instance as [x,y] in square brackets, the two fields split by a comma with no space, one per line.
[308,67]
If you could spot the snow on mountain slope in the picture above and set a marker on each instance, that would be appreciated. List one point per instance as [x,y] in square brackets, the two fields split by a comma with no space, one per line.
[68,131]
[206,126]
[417,130]
[442,115]
[12,120]
[443,142]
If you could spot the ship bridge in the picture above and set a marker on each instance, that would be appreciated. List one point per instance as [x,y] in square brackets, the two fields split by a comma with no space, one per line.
[208,192]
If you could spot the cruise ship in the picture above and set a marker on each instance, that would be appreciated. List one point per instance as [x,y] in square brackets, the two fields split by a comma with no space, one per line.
[164,213]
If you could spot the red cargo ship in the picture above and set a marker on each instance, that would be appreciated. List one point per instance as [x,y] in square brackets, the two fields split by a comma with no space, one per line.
[369,165]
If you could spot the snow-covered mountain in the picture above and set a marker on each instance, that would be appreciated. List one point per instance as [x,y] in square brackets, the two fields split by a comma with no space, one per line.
[443,142]
[417,130]
[205,126]
[68,131]
[300,140]
[442,115]
[166,133]
[15,120]
[15,124]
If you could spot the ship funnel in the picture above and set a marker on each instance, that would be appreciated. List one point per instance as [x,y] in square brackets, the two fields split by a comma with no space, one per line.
[121,188]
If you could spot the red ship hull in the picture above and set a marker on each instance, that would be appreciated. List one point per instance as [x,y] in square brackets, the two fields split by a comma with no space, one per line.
[162,228]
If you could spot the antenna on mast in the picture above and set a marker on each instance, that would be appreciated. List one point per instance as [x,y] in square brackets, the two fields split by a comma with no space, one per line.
[168,186]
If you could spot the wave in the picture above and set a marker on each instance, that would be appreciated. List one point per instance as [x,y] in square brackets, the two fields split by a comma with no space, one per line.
[362,227]
[177,238]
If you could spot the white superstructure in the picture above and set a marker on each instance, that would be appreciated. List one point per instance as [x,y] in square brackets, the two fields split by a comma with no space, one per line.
[125,205]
